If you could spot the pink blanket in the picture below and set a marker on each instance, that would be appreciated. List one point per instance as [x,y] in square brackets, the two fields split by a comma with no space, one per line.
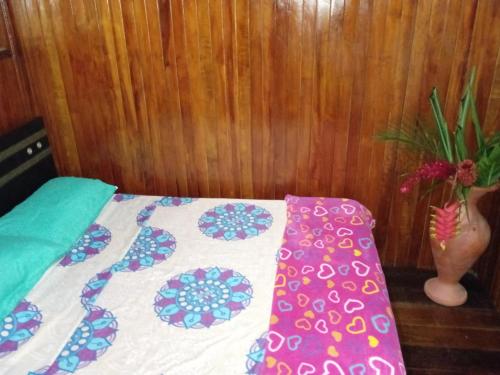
[331,311]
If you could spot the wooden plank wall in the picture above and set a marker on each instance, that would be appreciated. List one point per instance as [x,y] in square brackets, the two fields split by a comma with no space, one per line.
[15,97]
[258,98]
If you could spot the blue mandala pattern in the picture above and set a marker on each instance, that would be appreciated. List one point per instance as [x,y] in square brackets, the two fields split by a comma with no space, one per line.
[91,243]
[144,214]
[93,336]
[256,355]
[203,297]
[235,221]
[174,201]
[123,197]
[18,327]
[97,330]
[94,287]
[151,246]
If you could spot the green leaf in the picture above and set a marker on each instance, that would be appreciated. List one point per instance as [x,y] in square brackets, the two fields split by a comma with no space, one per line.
[441,125]
[492,141]
[460,147]
[489,167]
[463,112]
[461,192]
[481,144]
[480,141]
[417,136]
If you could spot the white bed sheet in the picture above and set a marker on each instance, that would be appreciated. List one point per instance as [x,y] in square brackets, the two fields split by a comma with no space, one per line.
[143,343]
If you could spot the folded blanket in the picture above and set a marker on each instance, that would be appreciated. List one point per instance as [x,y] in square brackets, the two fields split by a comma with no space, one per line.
[41,229]
[331,312]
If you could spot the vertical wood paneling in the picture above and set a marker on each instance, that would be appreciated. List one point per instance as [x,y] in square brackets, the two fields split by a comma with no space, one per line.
[437,41]
[307,79]
[259,98]
[15,97]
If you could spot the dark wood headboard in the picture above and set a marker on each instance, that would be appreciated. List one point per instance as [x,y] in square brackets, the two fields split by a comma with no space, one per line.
[25,163]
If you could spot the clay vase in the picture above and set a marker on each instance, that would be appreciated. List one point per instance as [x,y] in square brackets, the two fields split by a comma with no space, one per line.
[461,252]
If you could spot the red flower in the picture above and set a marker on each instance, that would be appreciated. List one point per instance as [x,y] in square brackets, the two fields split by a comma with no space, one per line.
[439,170]
[466,172]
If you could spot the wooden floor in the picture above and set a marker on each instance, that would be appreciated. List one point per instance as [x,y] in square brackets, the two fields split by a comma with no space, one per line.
[443,340]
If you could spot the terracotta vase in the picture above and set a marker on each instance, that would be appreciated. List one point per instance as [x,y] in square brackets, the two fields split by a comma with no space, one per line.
[460,254]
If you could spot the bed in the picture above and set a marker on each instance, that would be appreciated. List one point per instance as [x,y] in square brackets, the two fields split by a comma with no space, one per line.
[169,285]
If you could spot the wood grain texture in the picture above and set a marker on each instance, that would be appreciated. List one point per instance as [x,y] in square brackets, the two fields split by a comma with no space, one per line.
[441,340]
[260,98]
[15,97]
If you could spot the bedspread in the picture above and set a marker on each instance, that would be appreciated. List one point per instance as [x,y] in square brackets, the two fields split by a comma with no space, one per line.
[167,285]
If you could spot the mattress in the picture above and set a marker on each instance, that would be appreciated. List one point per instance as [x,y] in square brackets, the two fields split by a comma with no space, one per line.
[166,285]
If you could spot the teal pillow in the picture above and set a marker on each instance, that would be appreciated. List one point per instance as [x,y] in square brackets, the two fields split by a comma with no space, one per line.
[42,229]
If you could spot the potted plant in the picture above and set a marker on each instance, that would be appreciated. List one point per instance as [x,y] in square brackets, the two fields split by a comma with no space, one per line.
[459,234]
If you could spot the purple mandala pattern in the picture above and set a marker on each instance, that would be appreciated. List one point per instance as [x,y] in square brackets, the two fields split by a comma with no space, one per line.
[235,221]
[123,197]
[256,355]
[91,243]
[203,297]
[151,246]
[98,329]
[95,286]
[174,201]
[144,214]
[93,336]
[18,327]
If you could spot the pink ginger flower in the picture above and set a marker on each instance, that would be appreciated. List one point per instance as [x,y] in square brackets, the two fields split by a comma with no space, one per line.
[439,170]
[444,223]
